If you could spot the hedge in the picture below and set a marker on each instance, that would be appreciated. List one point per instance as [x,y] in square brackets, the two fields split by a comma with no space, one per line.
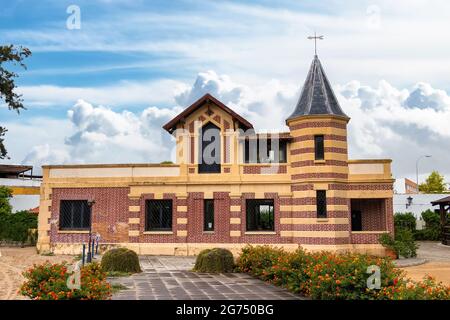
[330,276]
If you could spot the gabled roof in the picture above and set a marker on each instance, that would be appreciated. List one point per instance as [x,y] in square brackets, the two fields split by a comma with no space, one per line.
[317,97]
[445,200]
[207,98]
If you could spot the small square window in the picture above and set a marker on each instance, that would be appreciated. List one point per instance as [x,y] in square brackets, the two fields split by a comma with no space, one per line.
[260,215]
[158,215]
[74,215]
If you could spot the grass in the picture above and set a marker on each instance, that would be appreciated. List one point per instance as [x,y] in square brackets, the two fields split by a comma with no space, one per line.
[77,257]
[47,254]
[116,287]
[117,274]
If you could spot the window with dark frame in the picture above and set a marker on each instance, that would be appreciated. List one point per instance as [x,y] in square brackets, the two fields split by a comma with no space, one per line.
[208,215]
[260,215]
[252,152]
[158,215]
[321,201]
[319,149]
[74,215]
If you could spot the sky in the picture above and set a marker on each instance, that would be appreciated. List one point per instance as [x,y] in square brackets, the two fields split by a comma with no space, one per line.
[101,83]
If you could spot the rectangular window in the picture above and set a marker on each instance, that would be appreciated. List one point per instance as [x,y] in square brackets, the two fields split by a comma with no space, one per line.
[265,151]
[321,201]
[208,215]
[319,149]
[74,215]
[158,215]
[260,215]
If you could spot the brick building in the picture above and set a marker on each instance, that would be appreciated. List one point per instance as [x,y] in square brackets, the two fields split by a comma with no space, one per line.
[287,189]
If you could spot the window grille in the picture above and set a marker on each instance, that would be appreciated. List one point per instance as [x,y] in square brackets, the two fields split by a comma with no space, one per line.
[158,215]
[74,215]
[321,201]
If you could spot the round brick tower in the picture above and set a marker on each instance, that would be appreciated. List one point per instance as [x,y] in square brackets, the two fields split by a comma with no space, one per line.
[319,168]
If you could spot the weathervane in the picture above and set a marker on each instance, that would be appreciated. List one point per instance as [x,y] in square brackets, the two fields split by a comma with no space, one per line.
[315,37]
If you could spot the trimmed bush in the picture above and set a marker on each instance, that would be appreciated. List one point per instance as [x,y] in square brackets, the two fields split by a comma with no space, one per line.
[49,282]
[121,260]
[215,260]
[330,276]
[403,244]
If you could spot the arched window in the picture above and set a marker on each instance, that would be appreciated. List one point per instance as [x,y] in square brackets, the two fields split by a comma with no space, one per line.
[209,149]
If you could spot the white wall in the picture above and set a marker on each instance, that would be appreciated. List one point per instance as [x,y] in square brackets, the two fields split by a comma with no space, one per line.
[421,202]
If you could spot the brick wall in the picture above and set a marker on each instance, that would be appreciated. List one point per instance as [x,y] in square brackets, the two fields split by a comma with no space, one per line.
[109,213]
[373,213]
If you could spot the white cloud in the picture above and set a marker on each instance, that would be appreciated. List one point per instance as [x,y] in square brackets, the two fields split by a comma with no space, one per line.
[386,122]
[124,93]
[259,42]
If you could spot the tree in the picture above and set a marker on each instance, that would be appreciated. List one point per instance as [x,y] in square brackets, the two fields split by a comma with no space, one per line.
[433,184]
[5,195]
[14,101]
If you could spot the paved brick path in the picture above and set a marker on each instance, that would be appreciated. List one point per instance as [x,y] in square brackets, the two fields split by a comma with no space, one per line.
[167,278]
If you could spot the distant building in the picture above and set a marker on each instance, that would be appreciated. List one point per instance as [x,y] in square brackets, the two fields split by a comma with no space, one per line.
[411,186]
[405,186]
[24,185]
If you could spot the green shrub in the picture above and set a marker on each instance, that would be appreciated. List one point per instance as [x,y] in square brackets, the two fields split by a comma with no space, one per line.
[49,282]
[432,230]
[405,221]
[215,260]
[16,226]
[325,275]
[121,260]
[403,244]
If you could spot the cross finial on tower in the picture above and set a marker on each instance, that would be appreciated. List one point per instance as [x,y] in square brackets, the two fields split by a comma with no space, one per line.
[315,37]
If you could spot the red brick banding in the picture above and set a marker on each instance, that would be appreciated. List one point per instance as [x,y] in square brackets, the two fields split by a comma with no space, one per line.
[313,214]
[315,227]
[302,187]
[311,150]
[311,163]
[319,124]
[319,175]
[365,238]
[333,137]
[264,169]
[367,186]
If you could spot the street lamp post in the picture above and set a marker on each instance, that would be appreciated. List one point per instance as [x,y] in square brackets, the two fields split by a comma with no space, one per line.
[89,253]
[417,169]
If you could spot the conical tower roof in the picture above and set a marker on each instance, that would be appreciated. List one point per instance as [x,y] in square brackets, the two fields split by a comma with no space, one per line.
[317,97]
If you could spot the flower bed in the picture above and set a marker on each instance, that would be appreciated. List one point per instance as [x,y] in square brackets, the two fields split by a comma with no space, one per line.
[325,275]
[49,282]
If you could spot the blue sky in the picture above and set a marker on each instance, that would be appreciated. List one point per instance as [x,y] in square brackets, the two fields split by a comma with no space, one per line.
[130,56]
